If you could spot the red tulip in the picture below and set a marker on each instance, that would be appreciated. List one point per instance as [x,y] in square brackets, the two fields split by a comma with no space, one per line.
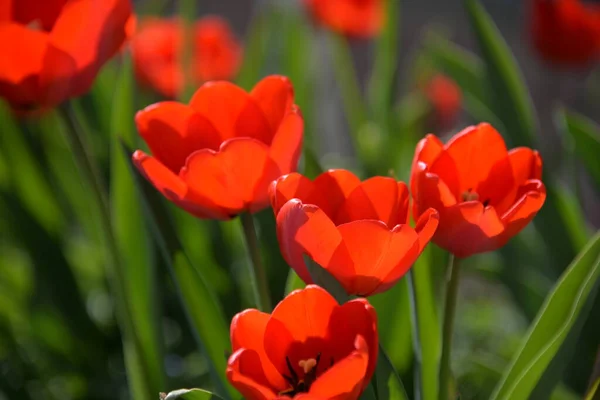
[445,97]
[354,18]
[310,347]
[217,156]
[484,193]
[358,231]
[157,50]
[566,32]
[53,49]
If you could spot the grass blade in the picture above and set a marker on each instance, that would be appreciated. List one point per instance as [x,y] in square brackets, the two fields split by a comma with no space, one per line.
[555,320]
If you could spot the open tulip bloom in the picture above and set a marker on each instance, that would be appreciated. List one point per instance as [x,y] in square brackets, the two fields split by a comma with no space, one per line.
[216,157]
[358,231]
[484,194]
[310,347]
[360,19]
[52,50]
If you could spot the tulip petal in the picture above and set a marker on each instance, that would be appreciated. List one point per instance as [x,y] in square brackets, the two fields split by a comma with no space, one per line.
[248,331]
[175,189]
[275,97]
[376,252]
[470,157]
[232,111]
[91,32]
[43,12]
[287,142]
[468,228]
[20,70]
[237,177]
[376,198]
[245,373]
[429,191]
[356,317]
[298,327]
[426,227]
[173,131]
[532,198]
[335,186]
[345,380]
[306,229]
[426,152]
[291,186]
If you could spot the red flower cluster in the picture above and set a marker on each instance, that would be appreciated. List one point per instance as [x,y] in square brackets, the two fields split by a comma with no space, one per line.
[354,18]
[157,49]
[445,98]
[310,347]
[356,230]
[53,49]
[217,156]
[566,32]
[485,194]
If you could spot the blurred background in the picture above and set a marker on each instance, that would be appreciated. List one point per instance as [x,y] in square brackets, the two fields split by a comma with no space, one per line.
[58,334]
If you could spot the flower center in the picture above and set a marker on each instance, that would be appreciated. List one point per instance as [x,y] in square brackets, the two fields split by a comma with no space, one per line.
[301,384]
[471,195]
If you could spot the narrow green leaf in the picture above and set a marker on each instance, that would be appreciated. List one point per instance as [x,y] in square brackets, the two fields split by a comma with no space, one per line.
[293,282]
[259,32]
[553,324]
[134,248]
[594,392]
[585,135]
[382,80]
[25,174]
[426,329]
[203,310]
[189,394]
[323,278]
[511,99]
[388,385]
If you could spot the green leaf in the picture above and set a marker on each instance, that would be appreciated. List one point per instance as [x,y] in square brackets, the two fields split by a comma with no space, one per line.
[293,282]
[259,32]
[556,319]
[388,385]
[510,97]
[585,135]
[202,309]
[382,80]
[189,394]
[134,248]
[594,391]
[426,328]
[323,278]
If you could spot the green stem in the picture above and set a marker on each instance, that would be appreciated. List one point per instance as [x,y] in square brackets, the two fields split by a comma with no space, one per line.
[416,334]
[258,275]
[449,312]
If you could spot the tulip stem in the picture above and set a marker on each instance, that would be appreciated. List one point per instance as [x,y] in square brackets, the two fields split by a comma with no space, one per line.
[449,312]
[258,275]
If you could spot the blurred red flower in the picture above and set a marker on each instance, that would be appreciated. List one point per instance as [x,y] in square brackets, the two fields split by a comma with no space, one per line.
[217,156]
[484,193]
[310,347]
[566,32]
[354,18]
[158,60]
[445,97]
[53,49]
[358,231]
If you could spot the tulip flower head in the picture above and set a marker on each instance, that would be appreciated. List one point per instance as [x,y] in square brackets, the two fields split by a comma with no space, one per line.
[566,32]
[216,156]
[358,231]
[52,50]
[353,18]
[310,347]
[157,48]
[484,194]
